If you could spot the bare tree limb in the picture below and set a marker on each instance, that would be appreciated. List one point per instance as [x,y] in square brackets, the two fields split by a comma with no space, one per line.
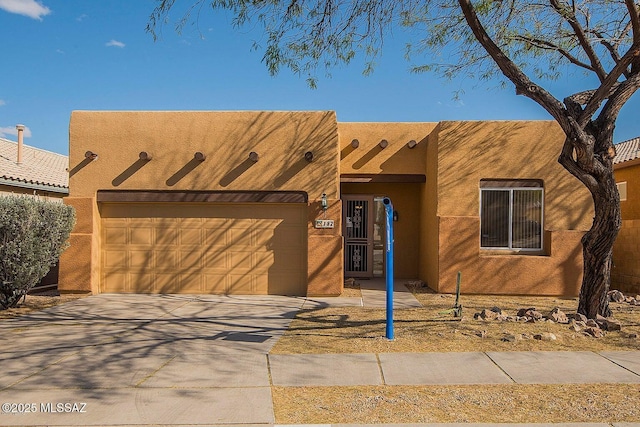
[604,91]
[547,45]
[523,84]
[570,17]
[635,25]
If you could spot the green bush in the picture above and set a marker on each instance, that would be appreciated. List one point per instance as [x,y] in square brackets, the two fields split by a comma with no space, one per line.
[33,234]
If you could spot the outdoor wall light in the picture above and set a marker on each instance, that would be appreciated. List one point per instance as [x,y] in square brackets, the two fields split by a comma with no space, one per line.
[412,143]
[355,143]
[253,156]
[90,155]
[323,202]
[144,155]
[384,143]
[308,156]
[199,156]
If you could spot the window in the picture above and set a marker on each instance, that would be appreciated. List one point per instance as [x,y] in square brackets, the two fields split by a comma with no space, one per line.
[622,190]
[511,214]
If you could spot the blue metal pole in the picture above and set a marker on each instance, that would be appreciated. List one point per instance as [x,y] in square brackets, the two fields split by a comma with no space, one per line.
[388,206]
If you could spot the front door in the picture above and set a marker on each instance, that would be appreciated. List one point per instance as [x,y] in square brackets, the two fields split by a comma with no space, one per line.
[357,223]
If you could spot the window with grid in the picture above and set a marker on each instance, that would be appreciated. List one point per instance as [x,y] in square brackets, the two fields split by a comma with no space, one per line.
[511,214]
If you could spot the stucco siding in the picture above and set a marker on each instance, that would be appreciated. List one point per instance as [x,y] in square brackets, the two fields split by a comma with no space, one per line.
[370,158]
[200,151]
[406,202]
[471,151]
[625,274]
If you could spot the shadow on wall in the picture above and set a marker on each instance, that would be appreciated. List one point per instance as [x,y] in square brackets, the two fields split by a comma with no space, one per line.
[225,141]
[508,274]
[204,251]
[183,171]
[471,151]
[135,167]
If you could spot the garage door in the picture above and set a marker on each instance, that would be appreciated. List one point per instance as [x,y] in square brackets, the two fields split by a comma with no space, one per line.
[204,248]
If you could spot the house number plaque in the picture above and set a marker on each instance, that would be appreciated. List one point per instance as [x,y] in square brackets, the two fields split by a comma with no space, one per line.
[324,223]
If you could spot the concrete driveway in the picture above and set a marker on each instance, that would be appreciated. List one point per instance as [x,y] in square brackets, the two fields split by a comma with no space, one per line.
[142,359]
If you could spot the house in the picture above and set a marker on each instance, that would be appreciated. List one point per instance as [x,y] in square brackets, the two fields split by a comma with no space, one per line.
[625,274]
[291,203]
[30,170]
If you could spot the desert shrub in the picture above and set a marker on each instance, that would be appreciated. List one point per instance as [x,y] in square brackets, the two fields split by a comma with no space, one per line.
[33,234]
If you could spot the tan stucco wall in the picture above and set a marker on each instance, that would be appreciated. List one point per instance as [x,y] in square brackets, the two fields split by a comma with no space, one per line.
[79,262]
[625,274]
[631,175]
[396,158]
[406,201]
[8,190]
[429,244]
[226,138]
[281,140]
[325,257]
[559,274]
[471,151]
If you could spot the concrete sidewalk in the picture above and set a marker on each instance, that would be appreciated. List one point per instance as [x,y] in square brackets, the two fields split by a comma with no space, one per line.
[204,360]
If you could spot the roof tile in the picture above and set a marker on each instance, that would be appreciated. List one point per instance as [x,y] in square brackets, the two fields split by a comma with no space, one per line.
[38,166]
[627,151]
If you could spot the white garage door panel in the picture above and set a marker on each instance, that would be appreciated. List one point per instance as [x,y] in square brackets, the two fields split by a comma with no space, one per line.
[209,248]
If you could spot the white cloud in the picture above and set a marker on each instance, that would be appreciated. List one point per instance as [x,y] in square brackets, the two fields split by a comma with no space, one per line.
[2,102]
[81,17]
[60,51]
[110,43]
[31,8]
[11,130]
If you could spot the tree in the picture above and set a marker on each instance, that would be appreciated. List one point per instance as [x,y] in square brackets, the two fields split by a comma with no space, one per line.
[521,39]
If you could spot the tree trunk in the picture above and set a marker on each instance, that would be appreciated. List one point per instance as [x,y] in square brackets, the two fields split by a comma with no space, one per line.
[597,248]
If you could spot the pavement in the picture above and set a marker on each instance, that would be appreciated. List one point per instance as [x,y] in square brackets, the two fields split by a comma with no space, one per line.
[204,360]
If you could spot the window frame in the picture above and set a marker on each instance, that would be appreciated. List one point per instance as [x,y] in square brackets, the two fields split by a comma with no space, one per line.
[512,186]
[622,190]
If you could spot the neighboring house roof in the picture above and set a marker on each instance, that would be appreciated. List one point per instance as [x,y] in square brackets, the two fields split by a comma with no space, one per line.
[627,151]
[40,169]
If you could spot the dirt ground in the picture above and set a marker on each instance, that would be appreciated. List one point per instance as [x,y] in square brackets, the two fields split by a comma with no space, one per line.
[433,328]
[38,302]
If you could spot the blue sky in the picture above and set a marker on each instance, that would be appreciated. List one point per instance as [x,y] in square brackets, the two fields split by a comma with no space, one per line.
[65,55]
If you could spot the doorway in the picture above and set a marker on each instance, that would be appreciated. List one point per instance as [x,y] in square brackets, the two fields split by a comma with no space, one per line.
[363,231]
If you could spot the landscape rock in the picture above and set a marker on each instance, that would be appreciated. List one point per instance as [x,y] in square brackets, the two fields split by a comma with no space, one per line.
[577,325]
[511,337]
[592,323]
[594,332]
[546,336]
[608,324]
[616,296]
[577,317]
[523,311]
[488,314]
[558,316]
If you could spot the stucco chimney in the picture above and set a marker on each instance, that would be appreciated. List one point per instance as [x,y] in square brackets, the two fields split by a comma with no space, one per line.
[20,142]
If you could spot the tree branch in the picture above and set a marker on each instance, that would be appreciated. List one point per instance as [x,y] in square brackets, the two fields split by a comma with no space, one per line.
[547,45]
[570,17]
[634,18]
[605,89]
[523,84]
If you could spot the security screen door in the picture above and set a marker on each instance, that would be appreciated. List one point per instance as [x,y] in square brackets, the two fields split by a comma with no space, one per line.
[357,213]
